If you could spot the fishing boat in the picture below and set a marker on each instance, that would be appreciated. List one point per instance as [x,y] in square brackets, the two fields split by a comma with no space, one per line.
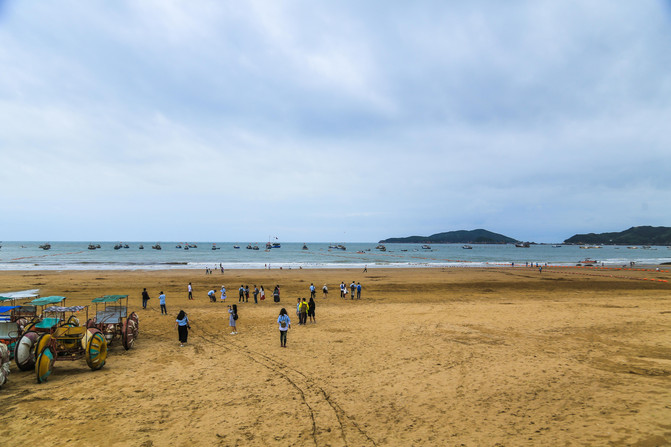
[255,247]
[236,246]
[141,247]
[305,247]
[467,247]
[249,247]
[156,247]
[214,247]
[588,261]
[117,246]
[46,246]
[556,246]
[92,247]
[426,247]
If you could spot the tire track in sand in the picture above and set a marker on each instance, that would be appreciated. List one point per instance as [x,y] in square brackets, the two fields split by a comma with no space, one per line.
[326,415]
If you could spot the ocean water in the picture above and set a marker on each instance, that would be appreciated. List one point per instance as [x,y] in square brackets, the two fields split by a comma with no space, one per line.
[26,255]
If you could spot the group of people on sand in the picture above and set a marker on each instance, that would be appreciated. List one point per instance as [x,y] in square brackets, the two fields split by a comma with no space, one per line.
[354,289]
[305,309]
[258,293]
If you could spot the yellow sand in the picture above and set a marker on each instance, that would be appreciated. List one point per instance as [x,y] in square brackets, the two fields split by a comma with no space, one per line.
[457,356]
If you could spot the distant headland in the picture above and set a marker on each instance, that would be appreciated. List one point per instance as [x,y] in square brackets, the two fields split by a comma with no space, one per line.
[644,235]
[479,236]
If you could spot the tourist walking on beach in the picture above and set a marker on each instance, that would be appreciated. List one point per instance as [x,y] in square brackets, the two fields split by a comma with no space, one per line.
[285,323]
[304,312]
[276,294]
[241,294]
[247,293]
[161,301]
[232,318]
[190,290]
[182,325]
[311,310]
[365,269]
[358,291]
[223,293]
[145,298]
[262,293]
[298,310]
[256,294]
[343,289]
[325,290]
[352,288]
[313,290]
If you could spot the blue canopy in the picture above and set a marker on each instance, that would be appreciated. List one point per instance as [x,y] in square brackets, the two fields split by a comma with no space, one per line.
[4,309]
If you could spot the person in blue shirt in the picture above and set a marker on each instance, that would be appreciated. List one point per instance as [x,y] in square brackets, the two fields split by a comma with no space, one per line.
[161,301]
[182,325]
[285,323]
[358,291]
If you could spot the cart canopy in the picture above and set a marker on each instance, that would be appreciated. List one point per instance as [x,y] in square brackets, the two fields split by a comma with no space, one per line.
[64,309]
[109,298]
[46,300]
[4,309]
[32,293]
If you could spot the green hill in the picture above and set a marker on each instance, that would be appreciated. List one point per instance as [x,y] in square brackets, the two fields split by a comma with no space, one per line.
[644,235]
[479,236]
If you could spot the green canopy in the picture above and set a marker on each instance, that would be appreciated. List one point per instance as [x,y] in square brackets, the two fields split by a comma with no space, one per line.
[45,300]
[5,298]
[109,298]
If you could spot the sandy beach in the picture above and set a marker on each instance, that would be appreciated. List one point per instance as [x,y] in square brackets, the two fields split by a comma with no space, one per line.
[453,356]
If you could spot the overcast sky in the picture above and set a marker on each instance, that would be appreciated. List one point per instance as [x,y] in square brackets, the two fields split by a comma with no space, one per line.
[332,121]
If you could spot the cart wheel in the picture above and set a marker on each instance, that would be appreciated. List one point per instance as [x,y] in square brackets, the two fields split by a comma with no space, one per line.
[96,350]
[42,343]
[128,334]
[24,354]
[4,363]
[133,316]
[44,364]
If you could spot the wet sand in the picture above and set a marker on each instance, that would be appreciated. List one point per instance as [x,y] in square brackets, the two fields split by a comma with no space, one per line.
[454,356]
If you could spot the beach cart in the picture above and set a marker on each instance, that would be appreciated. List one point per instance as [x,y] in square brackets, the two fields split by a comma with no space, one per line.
[68,341]
[112,319]
[40,323]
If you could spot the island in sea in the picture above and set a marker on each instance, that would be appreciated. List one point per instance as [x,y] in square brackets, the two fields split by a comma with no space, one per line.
[643,235]
[478,236]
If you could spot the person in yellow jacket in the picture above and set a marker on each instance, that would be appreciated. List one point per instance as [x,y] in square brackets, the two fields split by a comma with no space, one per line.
[304,312]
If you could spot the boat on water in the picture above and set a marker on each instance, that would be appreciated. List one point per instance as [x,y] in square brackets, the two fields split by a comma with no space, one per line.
[236,246]
[556,246]
[588,261]
[249,247]
[467,247]
[214,247]
[277,245]
[46,246]
[523,244]
[141,247]
[156,247]
[426,247]
[117,246]
[92,247]
[186,247]
[380,247]
[305,247]
[255,247]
